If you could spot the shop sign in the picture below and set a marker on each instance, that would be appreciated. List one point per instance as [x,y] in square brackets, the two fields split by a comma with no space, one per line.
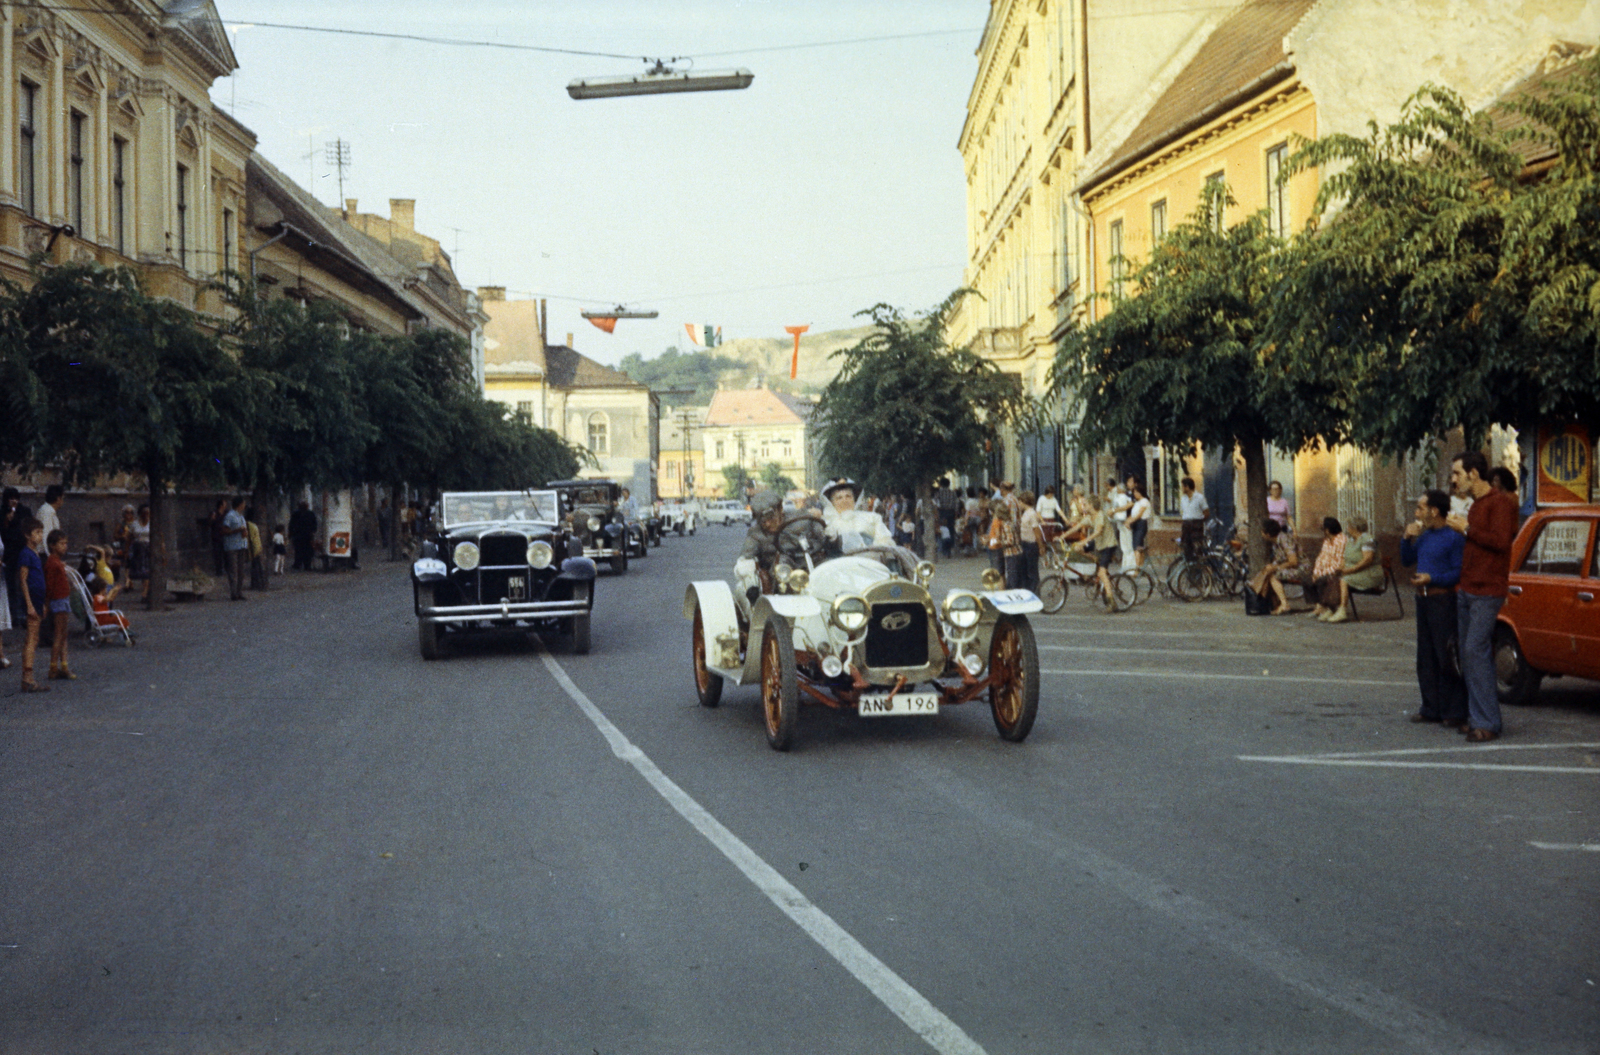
[1566,465]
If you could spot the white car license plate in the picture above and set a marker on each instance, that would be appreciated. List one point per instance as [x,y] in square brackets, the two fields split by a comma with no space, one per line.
[899,704]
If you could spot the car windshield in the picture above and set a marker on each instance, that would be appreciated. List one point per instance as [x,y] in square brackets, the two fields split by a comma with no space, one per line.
[589,496]
[476,507]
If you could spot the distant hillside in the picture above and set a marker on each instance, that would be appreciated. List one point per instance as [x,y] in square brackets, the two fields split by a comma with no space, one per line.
[738,362]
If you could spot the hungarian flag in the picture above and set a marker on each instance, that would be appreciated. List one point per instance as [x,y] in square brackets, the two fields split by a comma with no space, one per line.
[703,336]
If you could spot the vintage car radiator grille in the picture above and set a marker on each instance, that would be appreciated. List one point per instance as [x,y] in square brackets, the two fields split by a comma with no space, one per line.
[502,549]
[897,636]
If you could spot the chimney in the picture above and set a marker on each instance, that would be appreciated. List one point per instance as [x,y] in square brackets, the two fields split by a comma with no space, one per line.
[349,207]
[403,213]
[488,293]
[569,340]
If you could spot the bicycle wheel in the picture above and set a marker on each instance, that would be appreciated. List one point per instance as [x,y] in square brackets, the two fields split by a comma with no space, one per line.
[1053,592]
[1194,582]
[1170,579]
[1144,584]
[1127,592]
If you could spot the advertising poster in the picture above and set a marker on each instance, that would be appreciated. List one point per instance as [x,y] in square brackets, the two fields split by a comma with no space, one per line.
[1566,465]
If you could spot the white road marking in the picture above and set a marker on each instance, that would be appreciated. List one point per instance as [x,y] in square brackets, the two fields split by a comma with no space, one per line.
[1191,676]
[1593,848]
[927,1021]
[1213,653]
[1385,759]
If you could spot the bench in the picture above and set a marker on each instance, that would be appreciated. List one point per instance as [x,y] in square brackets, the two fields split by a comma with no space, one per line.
[1388,584]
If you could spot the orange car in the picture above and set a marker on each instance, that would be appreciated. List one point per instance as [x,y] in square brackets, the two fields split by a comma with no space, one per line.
[1550,623]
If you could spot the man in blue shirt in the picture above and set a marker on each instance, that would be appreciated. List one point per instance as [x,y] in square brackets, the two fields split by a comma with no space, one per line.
[1436,550]
[235,544]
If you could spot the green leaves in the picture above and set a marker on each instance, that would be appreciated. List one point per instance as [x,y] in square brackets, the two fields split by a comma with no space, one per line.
[906,407]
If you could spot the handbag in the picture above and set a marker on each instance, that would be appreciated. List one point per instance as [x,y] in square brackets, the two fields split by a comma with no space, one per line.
[1255,604]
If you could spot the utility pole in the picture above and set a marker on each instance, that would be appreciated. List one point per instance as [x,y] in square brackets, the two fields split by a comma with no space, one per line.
[338,158]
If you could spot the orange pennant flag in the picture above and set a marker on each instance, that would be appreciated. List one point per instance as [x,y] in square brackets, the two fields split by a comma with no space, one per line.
[607,323]
[794,364]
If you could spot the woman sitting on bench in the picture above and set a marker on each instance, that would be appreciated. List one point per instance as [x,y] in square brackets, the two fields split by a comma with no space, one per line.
[1362,570]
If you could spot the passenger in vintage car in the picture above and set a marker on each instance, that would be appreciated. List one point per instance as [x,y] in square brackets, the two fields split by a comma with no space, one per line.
[849,528]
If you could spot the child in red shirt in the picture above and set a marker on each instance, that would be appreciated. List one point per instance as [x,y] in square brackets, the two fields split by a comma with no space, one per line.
[58,598]
[100,597]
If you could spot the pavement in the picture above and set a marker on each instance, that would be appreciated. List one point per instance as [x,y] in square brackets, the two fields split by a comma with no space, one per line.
[271,827]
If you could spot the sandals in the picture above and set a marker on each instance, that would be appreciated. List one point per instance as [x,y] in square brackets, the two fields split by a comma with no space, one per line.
[63,674]
[30,686]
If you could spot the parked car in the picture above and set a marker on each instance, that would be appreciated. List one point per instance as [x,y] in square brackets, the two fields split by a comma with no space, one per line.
[589,511]
[1550,623]
[679,517]
[861,633]
[500,560]
[727,511]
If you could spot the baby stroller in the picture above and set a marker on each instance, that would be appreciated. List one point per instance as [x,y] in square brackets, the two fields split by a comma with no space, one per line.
[99,627]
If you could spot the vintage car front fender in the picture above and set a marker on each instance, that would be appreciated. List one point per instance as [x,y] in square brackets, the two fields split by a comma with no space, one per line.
[429,569]
[576,569]
[719,621]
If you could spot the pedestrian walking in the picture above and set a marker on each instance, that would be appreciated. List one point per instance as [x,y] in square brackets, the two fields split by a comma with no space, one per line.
[1138,520]
[236,548]
[58,601]
[13,515]
[139,551]
[30,584]
[1435,550]
[1005,546]
[1194,510]
[1487,531]
[1030,532]
[219,552]
[279,550]
[947,502]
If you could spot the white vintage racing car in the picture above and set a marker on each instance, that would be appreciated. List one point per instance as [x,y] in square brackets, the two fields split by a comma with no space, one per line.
[861,633]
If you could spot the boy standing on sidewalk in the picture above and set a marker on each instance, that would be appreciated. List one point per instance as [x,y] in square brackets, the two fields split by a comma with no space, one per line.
[58,597]
[30,583]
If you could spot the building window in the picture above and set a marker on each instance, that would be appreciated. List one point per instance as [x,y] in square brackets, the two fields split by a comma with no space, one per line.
[720,455]
[1158,221]
[598,443]
[183,217]
[525,411]
[672,469]
[119,192]
[1277,192]
[75,173]
[227,239]
[27,187]
[1115,259]
[1216,195]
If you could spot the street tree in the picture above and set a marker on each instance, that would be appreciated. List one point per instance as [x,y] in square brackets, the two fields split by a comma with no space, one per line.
[1182,358]
[734,481]
[133,386]
[906,407]
[773,479]
[1448,286]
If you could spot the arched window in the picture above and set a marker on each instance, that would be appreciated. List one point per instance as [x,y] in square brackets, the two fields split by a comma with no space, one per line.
[599,443]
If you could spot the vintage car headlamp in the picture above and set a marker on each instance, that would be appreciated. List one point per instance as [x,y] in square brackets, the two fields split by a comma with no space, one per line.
[992,580]
[831,666]
[781,572]
[850,613]
[466,555]
[962,610]
[973,663]
[798,580]
[593,524]
[540,554]
[924,572]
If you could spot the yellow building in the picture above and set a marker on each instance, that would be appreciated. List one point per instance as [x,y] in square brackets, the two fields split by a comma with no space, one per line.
[754,428]
[114,152]
[1020,148]
[682,468]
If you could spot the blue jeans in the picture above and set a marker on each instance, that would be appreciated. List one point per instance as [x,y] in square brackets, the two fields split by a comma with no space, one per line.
[1475,617]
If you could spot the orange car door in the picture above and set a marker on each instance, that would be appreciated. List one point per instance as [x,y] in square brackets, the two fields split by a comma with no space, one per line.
[1586,612]
[1551,577]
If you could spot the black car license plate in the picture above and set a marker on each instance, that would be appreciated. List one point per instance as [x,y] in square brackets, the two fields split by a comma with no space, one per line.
[517,588]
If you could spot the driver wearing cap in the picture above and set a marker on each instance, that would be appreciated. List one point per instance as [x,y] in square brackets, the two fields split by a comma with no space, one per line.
[771,538]
[853,529]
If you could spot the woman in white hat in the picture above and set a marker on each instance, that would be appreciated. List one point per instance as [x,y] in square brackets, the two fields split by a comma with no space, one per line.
[853,528]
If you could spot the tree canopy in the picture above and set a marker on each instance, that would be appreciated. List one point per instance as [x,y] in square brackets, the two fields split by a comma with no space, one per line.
[695,372]
[907,407]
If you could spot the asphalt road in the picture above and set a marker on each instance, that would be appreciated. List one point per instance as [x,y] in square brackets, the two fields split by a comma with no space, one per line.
[272,828]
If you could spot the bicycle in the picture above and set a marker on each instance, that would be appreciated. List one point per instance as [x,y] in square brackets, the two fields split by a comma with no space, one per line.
[1054,586]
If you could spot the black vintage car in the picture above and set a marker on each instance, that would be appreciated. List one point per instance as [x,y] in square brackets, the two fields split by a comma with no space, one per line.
[501,560]
[590,511]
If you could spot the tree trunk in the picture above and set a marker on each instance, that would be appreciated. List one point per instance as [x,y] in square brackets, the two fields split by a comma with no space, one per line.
[1254,453]
[930,522]
[158,545]
[396,493]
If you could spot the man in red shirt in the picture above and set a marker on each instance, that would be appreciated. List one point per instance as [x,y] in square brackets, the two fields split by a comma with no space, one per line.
[1489,527]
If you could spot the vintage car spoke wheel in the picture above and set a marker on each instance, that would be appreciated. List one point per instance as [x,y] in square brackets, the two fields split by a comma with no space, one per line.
[580,623]
[1053,592]
[1014,677]
[707,683]
[1514,681]
[780,692]
[427,633]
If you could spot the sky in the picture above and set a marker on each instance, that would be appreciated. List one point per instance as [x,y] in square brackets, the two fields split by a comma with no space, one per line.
[831,184]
